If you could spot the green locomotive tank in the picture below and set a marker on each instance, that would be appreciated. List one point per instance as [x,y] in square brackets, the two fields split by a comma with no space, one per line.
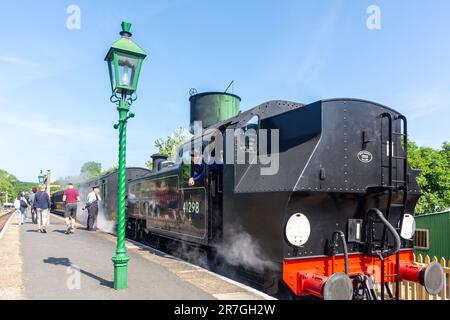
[213,107]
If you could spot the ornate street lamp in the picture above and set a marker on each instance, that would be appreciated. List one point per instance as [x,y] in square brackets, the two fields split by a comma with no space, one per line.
[41,178]
[124,60]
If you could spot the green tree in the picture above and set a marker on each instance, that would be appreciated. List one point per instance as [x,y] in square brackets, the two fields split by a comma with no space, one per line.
[24,186]
[59,183]
[149,164]
[168,146]
[91,170]
[7,182]
[434,179]
[110,170]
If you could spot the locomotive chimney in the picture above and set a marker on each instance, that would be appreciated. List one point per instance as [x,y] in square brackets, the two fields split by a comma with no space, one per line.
[156,160]
[212,107]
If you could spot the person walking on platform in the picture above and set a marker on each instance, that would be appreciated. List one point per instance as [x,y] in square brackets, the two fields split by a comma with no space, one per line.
[71,197]
[17,206]
[92,203]
[21,205]
[42,205]
[33,210]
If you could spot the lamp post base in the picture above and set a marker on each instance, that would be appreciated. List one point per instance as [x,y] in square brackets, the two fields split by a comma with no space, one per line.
[120,271]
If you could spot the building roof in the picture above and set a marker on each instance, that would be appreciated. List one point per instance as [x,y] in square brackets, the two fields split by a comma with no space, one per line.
[433,214]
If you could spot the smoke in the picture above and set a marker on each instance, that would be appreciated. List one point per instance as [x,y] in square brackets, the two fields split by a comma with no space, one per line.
[242,250]
[104,221]
[81,215]
[190,253]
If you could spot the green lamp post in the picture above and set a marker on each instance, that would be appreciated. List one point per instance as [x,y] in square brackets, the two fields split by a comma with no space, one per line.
[41,178]
[124,60]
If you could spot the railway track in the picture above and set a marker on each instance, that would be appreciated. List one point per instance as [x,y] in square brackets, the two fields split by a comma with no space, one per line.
[4,217]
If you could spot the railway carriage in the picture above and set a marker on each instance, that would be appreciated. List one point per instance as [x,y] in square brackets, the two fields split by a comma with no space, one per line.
[57,205]
[108,185]
[108,189]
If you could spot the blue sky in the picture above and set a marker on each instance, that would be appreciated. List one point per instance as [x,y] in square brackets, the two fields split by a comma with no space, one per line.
[54,93]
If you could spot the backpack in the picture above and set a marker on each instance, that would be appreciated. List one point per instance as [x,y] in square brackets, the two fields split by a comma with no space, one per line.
[23,203]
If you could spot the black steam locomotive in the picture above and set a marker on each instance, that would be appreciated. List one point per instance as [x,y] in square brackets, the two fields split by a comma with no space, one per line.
[317,199]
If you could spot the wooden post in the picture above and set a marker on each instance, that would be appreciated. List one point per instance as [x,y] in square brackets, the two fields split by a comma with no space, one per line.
[407,290]
[426,296]
[393,286]
[444,288]
[435,259]
[413,291]
[419,288]
[447,277]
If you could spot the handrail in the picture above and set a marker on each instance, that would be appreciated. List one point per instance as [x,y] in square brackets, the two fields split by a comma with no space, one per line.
[391,229]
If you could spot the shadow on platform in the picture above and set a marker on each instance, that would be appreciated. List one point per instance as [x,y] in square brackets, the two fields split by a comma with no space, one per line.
[66,263]
[60,231]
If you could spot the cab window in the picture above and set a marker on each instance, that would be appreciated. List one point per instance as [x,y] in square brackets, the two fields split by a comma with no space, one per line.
[250,131]
[253,123]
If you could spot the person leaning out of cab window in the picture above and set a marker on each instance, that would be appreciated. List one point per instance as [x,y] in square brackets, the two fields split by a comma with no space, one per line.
[198,169]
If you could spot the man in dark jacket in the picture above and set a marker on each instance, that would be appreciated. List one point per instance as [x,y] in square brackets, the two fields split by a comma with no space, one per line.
[42,205]
[92,202]
[33,210]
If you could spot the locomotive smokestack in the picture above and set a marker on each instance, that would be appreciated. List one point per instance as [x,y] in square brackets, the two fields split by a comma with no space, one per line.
[213,107]
[156,160]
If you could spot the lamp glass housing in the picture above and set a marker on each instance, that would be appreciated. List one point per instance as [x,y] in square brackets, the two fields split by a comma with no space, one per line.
[124,69]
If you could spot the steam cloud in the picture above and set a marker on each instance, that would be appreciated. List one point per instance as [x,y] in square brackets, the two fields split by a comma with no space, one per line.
[244,251]
[104,223]
[241,250]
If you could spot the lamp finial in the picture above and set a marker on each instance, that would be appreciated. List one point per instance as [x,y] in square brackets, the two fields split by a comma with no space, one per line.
[126,26]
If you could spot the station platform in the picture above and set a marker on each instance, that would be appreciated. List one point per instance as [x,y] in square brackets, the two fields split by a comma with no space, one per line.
[56,266]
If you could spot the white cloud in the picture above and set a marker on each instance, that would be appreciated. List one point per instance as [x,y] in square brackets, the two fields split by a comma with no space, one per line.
[318,53]
[424,101]
[32,143]
[16,60]
[39,126]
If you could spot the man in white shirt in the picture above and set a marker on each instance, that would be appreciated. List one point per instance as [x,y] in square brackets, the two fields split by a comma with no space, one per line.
[92,203]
